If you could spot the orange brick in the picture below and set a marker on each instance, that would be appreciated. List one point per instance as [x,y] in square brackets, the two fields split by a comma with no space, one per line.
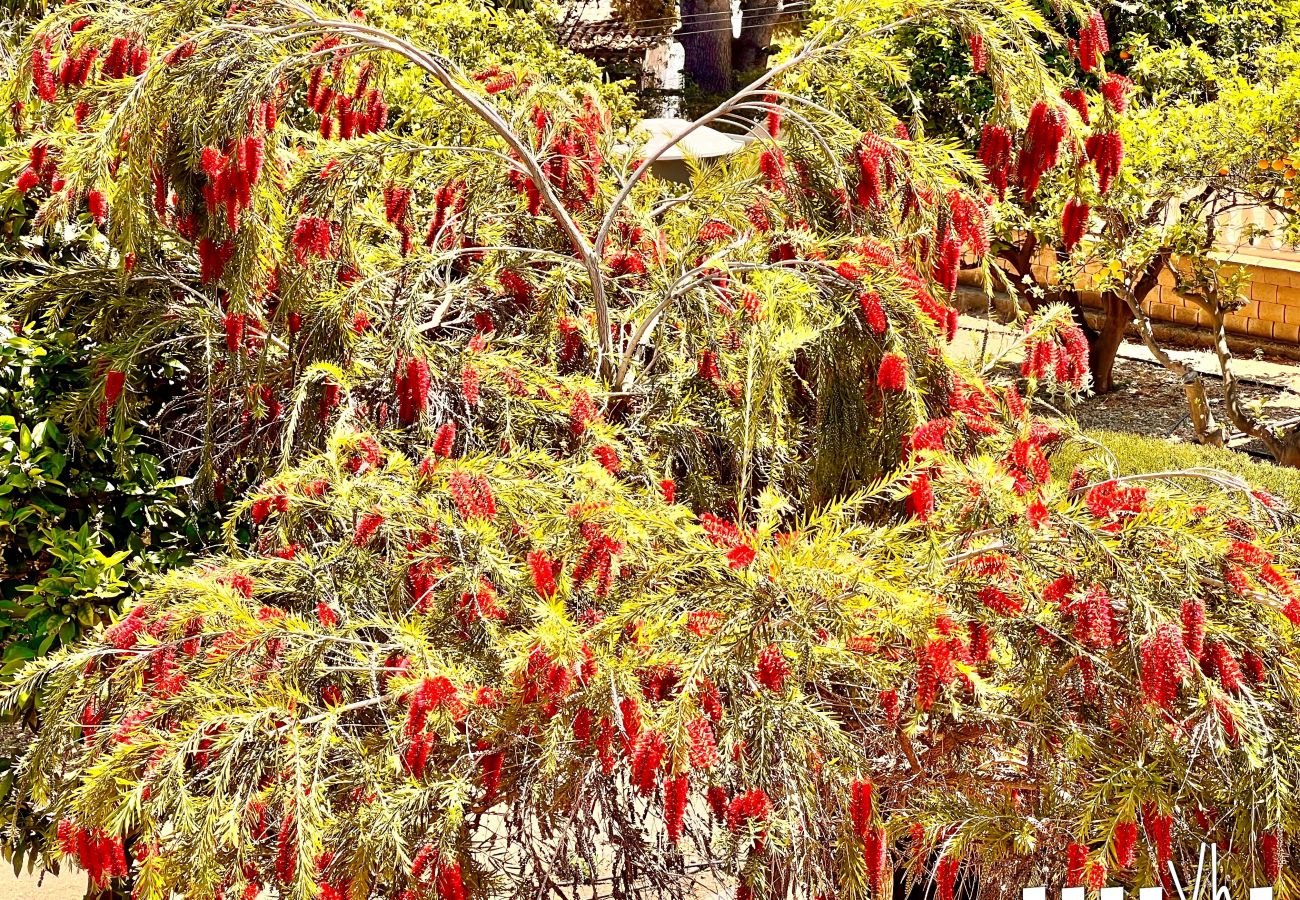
[1250,310]
[1238,324]
[1266,275]
[1272,312]
[1184,315]
[1166,278]
[1291,312]
[1263,293]
[1259,328]
[1289,294]
[1288,333]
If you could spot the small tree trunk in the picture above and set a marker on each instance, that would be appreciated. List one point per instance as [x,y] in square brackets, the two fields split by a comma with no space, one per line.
[1105,347]
[758,21]
[1206,429]
[706,38]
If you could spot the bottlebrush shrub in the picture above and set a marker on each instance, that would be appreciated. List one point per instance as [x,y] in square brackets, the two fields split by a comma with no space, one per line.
[718,531]
[310,276]
[526,651]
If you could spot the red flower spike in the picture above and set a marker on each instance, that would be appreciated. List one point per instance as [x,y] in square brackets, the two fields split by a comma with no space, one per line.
[675,797]
[892,376]
[773,669]
[1074,223]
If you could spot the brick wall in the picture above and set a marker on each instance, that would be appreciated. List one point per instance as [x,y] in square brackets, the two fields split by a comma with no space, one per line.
[1272,313]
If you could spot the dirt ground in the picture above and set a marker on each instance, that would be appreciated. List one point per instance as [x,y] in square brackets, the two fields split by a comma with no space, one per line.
[1150,401]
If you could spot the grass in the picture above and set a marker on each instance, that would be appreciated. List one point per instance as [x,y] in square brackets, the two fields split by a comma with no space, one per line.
[1135,453]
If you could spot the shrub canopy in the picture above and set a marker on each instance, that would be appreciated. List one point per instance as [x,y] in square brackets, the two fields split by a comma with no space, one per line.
[600,525]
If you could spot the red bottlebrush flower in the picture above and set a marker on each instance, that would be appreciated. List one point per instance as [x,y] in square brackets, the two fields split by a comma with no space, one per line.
[28,178]
[607,456]
[945,877]
[543,570]
[920,498]
[648,751]
[582,412]
[449,882]
[929,436]
[873,312]
[515,286]
[668,490]
[1254,667]
[397,202]
[707,367]
[995,155]
[1249,554]
[860,808]
[1077,100]
[1041,147]
[472,496]
[1219,661]
[773,669]
[947,260]
[999,601]
[675,797]
[1115,92]
[979,52]
[889,705]
[1076,861]
[97,206]
[970,222]
[1094,620]
[413,390]
[500,83]
[366,528]
[771,165]
[469,384]
[124,634]
[1193,616]
[1093,41]
[286,849]
[444,442]
[774,115]
[740,556]
[326,614]
[753,807]
[42,78]
[313,236]
[1106,151]
[1108,501]
[1126,835]
[875,159]
[704,745]
[876,853]
[114,381]
[716,230]
[1164,666]
[703,623]
[1270,856]
[892,376]
[1074,223]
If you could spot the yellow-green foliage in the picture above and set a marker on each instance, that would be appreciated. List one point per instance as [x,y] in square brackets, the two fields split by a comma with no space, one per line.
[1134,453]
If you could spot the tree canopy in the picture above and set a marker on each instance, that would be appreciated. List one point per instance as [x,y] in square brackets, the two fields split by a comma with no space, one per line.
[589,528]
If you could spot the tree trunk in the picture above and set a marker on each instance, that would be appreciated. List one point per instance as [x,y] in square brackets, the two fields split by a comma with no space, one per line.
[1103,350]
[706,39]
[758,21]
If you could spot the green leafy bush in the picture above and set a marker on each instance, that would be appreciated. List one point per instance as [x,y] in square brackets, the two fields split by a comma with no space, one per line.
[81,521]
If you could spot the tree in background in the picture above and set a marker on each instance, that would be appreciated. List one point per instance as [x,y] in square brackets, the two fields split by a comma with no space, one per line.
[1161,62]
[597,525]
